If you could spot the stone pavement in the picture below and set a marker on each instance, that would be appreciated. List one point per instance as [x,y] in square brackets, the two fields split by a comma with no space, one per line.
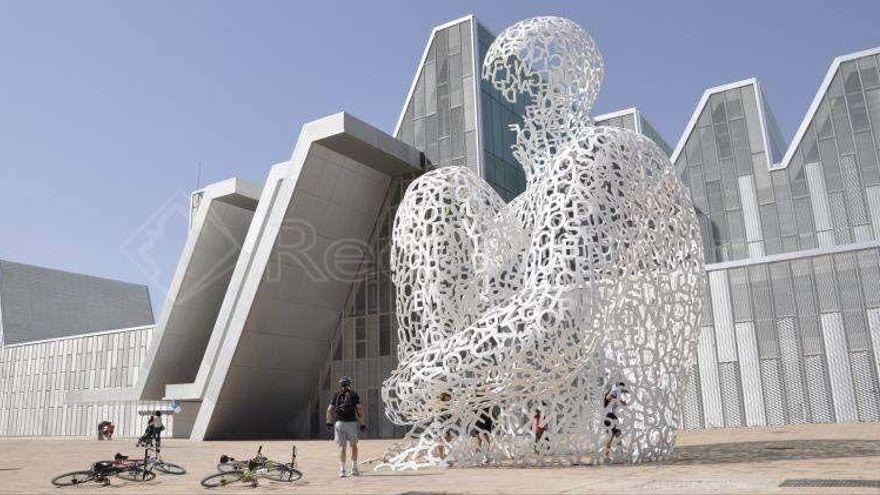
[750,460]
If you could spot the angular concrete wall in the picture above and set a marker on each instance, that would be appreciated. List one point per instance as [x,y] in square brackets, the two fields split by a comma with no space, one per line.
[285,297]
[217,232]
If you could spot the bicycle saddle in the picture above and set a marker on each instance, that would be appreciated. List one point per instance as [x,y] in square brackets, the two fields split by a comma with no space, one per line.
[225,458]
[120,457]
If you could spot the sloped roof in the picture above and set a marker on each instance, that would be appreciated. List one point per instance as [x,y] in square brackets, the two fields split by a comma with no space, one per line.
[39,303]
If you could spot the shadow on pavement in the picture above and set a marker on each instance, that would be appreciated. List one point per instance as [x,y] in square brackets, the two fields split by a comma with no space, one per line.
[399,474]
[783,450]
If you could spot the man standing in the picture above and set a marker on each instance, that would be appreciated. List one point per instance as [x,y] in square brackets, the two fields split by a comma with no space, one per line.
[346,406]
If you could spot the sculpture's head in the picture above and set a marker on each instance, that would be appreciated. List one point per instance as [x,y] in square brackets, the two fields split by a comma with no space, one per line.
[554,66]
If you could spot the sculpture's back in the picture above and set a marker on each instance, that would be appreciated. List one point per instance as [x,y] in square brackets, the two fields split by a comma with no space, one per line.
[527,313]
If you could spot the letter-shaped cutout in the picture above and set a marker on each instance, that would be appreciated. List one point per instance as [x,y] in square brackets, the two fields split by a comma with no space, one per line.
[516,320]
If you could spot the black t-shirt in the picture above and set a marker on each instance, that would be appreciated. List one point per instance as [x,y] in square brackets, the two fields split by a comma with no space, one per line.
[345,404]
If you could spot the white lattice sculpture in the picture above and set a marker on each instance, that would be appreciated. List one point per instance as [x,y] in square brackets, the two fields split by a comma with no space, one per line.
[592,276]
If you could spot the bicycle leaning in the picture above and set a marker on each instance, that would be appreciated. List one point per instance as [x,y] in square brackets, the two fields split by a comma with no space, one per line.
[249,471]
[121,466]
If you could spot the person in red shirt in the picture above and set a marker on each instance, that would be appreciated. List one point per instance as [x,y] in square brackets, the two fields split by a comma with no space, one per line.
[540,427]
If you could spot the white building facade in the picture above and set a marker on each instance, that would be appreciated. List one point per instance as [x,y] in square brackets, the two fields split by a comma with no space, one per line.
[35,378]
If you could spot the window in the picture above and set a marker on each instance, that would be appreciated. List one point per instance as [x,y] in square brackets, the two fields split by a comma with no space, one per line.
[385,335]
[360,299]
[372,295]
[360,338]
[337,352]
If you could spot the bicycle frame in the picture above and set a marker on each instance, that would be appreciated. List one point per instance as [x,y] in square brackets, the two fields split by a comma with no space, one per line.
[104,469]
[250,468]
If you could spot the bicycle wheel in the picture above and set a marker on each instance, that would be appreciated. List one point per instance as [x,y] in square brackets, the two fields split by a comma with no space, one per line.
[74,478]
[170,468]
[283,472]
[136,473]
[221,479]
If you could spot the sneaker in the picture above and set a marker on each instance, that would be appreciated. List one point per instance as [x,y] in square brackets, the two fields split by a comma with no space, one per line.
[342,470]
[354,470]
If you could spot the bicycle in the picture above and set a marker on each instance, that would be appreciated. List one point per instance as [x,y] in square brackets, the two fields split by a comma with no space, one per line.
[260,466]
[150,439]
[121,466]
[164,466]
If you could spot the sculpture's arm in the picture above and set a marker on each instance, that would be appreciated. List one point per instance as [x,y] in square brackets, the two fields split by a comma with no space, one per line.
[439,255]
[533,338]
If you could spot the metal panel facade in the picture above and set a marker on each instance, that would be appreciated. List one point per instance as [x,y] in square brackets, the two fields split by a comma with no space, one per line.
[709,382]
[753,394]
[36,376]
[68,304]
[721,308]
[838,367]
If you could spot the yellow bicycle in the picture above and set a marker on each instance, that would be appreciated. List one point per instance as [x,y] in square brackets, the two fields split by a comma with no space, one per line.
[260,466]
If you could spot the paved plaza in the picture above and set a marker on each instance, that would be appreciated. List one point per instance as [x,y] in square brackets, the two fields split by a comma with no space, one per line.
[707,461]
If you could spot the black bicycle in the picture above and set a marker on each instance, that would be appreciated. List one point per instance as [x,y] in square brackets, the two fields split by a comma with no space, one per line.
[121,466]
[249,471]
[152,438]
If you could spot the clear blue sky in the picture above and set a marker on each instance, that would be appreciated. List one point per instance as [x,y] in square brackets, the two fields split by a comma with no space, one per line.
[106,108]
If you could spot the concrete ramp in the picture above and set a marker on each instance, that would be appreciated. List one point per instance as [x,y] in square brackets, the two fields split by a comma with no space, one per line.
[291,280]
[220,216]
[217,231]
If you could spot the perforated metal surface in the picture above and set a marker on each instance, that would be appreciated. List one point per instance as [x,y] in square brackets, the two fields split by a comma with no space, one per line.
[739,291]
[730,395]
[817,483]
[866,393]
[773,399]
[782,295]
[791,370]
[498,303]
[693,407]
[827,289]
[869,268]
[768,345]
[42,303]
[820,402]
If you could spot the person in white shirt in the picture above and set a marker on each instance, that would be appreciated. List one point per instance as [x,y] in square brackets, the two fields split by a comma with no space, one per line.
[155,427]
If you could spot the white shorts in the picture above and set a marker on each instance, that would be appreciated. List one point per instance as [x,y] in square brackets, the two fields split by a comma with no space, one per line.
[345,432]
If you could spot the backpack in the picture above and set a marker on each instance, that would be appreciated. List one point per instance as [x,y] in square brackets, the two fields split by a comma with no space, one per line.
[346,409]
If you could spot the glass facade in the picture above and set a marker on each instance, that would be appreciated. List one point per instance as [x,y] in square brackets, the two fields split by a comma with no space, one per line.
[365,343]
[625,120]
[789,342]
[440,117]
[446,120]
[500,168]
[443,119]
[823,198]
[633,120]
[795,337]
[648,130]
